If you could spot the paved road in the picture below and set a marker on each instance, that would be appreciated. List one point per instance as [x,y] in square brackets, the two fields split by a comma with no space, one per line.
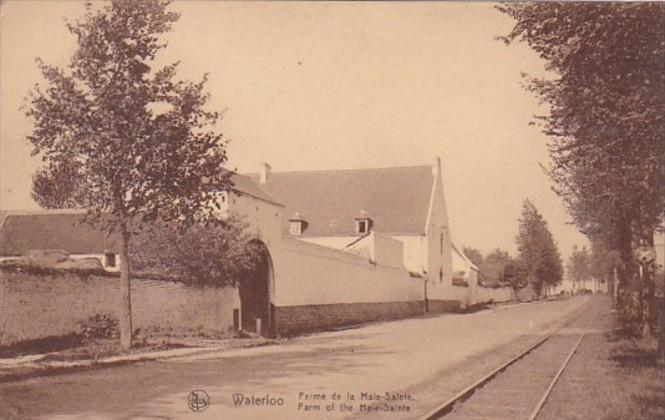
[413,363]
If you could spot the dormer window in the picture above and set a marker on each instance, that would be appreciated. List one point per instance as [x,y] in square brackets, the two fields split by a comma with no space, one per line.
[362,226]
[297,225]
[363,223]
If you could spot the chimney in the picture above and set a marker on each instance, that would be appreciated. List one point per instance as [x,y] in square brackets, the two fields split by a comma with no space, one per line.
[264,172]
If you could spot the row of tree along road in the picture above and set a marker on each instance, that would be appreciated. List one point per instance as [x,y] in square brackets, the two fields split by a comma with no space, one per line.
[606,129]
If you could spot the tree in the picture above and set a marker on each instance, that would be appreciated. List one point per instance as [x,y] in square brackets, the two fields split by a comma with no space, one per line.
[606,122]
[499,268]
[514,273]
[538,253]
[56,186]
[473,255]
[604,262]
[579,266]
[98,132]
[493,266]
[217,255]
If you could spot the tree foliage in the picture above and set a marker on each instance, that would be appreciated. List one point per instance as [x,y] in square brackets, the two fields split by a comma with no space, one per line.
[578,267]
[56,185]
[514,273]
[604,262]
[95,121]
[606,122]
[538,253]
[473,255]
[216,255]
[493,265]
[500,268]
[102,141]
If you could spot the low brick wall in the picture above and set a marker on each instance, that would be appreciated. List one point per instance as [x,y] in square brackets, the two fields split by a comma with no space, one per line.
[37,306]
[436,306]
[292,320]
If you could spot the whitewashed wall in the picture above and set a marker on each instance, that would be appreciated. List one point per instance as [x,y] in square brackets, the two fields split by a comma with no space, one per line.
[309,274]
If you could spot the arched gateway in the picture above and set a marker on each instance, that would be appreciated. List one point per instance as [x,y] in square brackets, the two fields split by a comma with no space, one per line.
[255,290]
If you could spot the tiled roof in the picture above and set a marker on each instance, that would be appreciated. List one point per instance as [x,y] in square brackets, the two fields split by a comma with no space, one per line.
[396,199]
[22,232]
[245,185]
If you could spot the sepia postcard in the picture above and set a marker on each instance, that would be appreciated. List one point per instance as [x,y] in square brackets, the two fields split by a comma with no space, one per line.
[331,210]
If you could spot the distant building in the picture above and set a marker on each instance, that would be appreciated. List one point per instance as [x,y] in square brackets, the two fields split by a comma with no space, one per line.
[22,232]
[65,229]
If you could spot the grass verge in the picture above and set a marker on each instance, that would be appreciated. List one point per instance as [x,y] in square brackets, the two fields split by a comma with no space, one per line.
[611,377]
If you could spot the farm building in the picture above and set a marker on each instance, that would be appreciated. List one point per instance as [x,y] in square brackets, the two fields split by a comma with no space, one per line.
[339,248]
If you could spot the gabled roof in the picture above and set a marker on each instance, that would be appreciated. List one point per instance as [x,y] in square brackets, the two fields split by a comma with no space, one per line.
[245,185]
[396,199]
[59,229]
[461,261]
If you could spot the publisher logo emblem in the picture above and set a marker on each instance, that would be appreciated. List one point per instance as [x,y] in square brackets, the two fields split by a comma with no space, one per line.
[198,400]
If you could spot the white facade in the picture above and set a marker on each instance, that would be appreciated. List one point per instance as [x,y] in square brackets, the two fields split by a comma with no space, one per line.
[428,254]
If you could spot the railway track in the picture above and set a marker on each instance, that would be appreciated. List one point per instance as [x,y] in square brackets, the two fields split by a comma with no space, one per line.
[519,387]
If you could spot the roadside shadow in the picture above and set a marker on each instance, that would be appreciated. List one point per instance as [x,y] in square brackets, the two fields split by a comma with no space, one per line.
[41,345]
[636,358]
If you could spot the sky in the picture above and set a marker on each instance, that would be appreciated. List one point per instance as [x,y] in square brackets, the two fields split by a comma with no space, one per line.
[307,86]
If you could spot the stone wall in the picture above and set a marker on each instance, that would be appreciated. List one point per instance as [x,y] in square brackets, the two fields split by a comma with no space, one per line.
[291,320]
[35,306]
[437,306]
[482,294]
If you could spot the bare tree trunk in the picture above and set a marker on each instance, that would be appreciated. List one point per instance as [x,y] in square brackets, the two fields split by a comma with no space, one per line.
[628,297]
[125,312]
[661,338]
[649,295]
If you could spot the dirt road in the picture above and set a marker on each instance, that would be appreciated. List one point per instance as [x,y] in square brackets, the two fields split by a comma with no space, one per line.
[406,366]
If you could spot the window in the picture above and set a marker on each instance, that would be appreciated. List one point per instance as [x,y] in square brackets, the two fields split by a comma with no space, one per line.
[110,260]
[441,250]
[363,223]
[440,274]
[362,226]
[297,224]
[295,228]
